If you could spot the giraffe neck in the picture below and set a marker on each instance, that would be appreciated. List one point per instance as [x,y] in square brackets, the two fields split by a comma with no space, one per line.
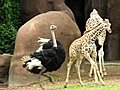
[102,37]
[93,35]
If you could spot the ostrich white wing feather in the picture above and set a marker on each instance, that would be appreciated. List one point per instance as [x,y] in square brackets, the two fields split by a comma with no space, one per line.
[43,40]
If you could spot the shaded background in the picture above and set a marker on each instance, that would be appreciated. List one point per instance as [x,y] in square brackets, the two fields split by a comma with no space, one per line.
[107,9]
[81,8]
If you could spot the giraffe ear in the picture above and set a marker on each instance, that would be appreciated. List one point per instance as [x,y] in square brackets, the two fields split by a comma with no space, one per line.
[95,11]
[107,21]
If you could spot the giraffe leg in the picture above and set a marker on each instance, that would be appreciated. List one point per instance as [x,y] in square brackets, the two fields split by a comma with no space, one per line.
[87,56]
[95,75]
[98,74]
[100,62]
[103,65]
[77,65]
[94,57]
[92,62]
[68,71]
[96,71]
[91,71]
[100,78]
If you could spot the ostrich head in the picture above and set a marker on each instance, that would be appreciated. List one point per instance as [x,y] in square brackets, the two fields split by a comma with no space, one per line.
[53,28]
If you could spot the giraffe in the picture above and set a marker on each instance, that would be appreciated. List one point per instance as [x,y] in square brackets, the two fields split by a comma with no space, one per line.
[101,40]
[83,48]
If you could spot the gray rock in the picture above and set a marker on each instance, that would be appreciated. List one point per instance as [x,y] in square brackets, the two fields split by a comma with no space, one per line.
[26,42]
[5,60]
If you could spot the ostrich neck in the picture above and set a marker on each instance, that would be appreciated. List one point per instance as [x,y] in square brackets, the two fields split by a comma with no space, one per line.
[54,39]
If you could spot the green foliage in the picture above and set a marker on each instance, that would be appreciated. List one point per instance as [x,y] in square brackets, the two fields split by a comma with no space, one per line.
[9,24]
[88,86]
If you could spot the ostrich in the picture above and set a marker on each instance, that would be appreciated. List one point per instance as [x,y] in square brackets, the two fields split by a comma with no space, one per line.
[47,58]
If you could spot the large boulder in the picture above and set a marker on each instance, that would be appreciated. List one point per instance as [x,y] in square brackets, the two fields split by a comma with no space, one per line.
[31,8]
[5,60]
[26,42]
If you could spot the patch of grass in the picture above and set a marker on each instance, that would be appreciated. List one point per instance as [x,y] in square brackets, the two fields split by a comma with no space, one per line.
[88,86]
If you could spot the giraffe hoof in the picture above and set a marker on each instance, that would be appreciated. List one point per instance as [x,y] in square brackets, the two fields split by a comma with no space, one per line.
[65,86]
[81,84]
[103,84]
[96,82]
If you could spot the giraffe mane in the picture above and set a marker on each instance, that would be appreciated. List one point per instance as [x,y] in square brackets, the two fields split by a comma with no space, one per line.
[91,29]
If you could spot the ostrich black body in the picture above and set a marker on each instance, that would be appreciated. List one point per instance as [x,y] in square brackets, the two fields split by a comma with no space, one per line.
[35,70]
[51,57]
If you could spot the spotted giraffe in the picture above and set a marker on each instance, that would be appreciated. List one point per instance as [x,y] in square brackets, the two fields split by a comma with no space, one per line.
[83,48]
[101,39]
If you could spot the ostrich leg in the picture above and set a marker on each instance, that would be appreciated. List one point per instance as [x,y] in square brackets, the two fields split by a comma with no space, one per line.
[49,77]
[38,78]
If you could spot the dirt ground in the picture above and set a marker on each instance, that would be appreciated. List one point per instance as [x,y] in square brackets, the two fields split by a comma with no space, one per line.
[113,80]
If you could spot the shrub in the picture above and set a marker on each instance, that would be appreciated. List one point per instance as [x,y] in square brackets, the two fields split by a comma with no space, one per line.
[9,24]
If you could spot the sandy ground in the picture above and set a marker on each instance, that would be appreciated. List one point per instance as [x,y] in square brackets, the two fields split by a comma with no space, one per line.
[112,80]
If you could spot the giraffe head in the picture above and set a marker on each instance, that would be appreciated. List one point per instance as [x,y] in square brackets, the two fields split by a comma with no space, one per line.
[107,25]
[94,20]
[95,15]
